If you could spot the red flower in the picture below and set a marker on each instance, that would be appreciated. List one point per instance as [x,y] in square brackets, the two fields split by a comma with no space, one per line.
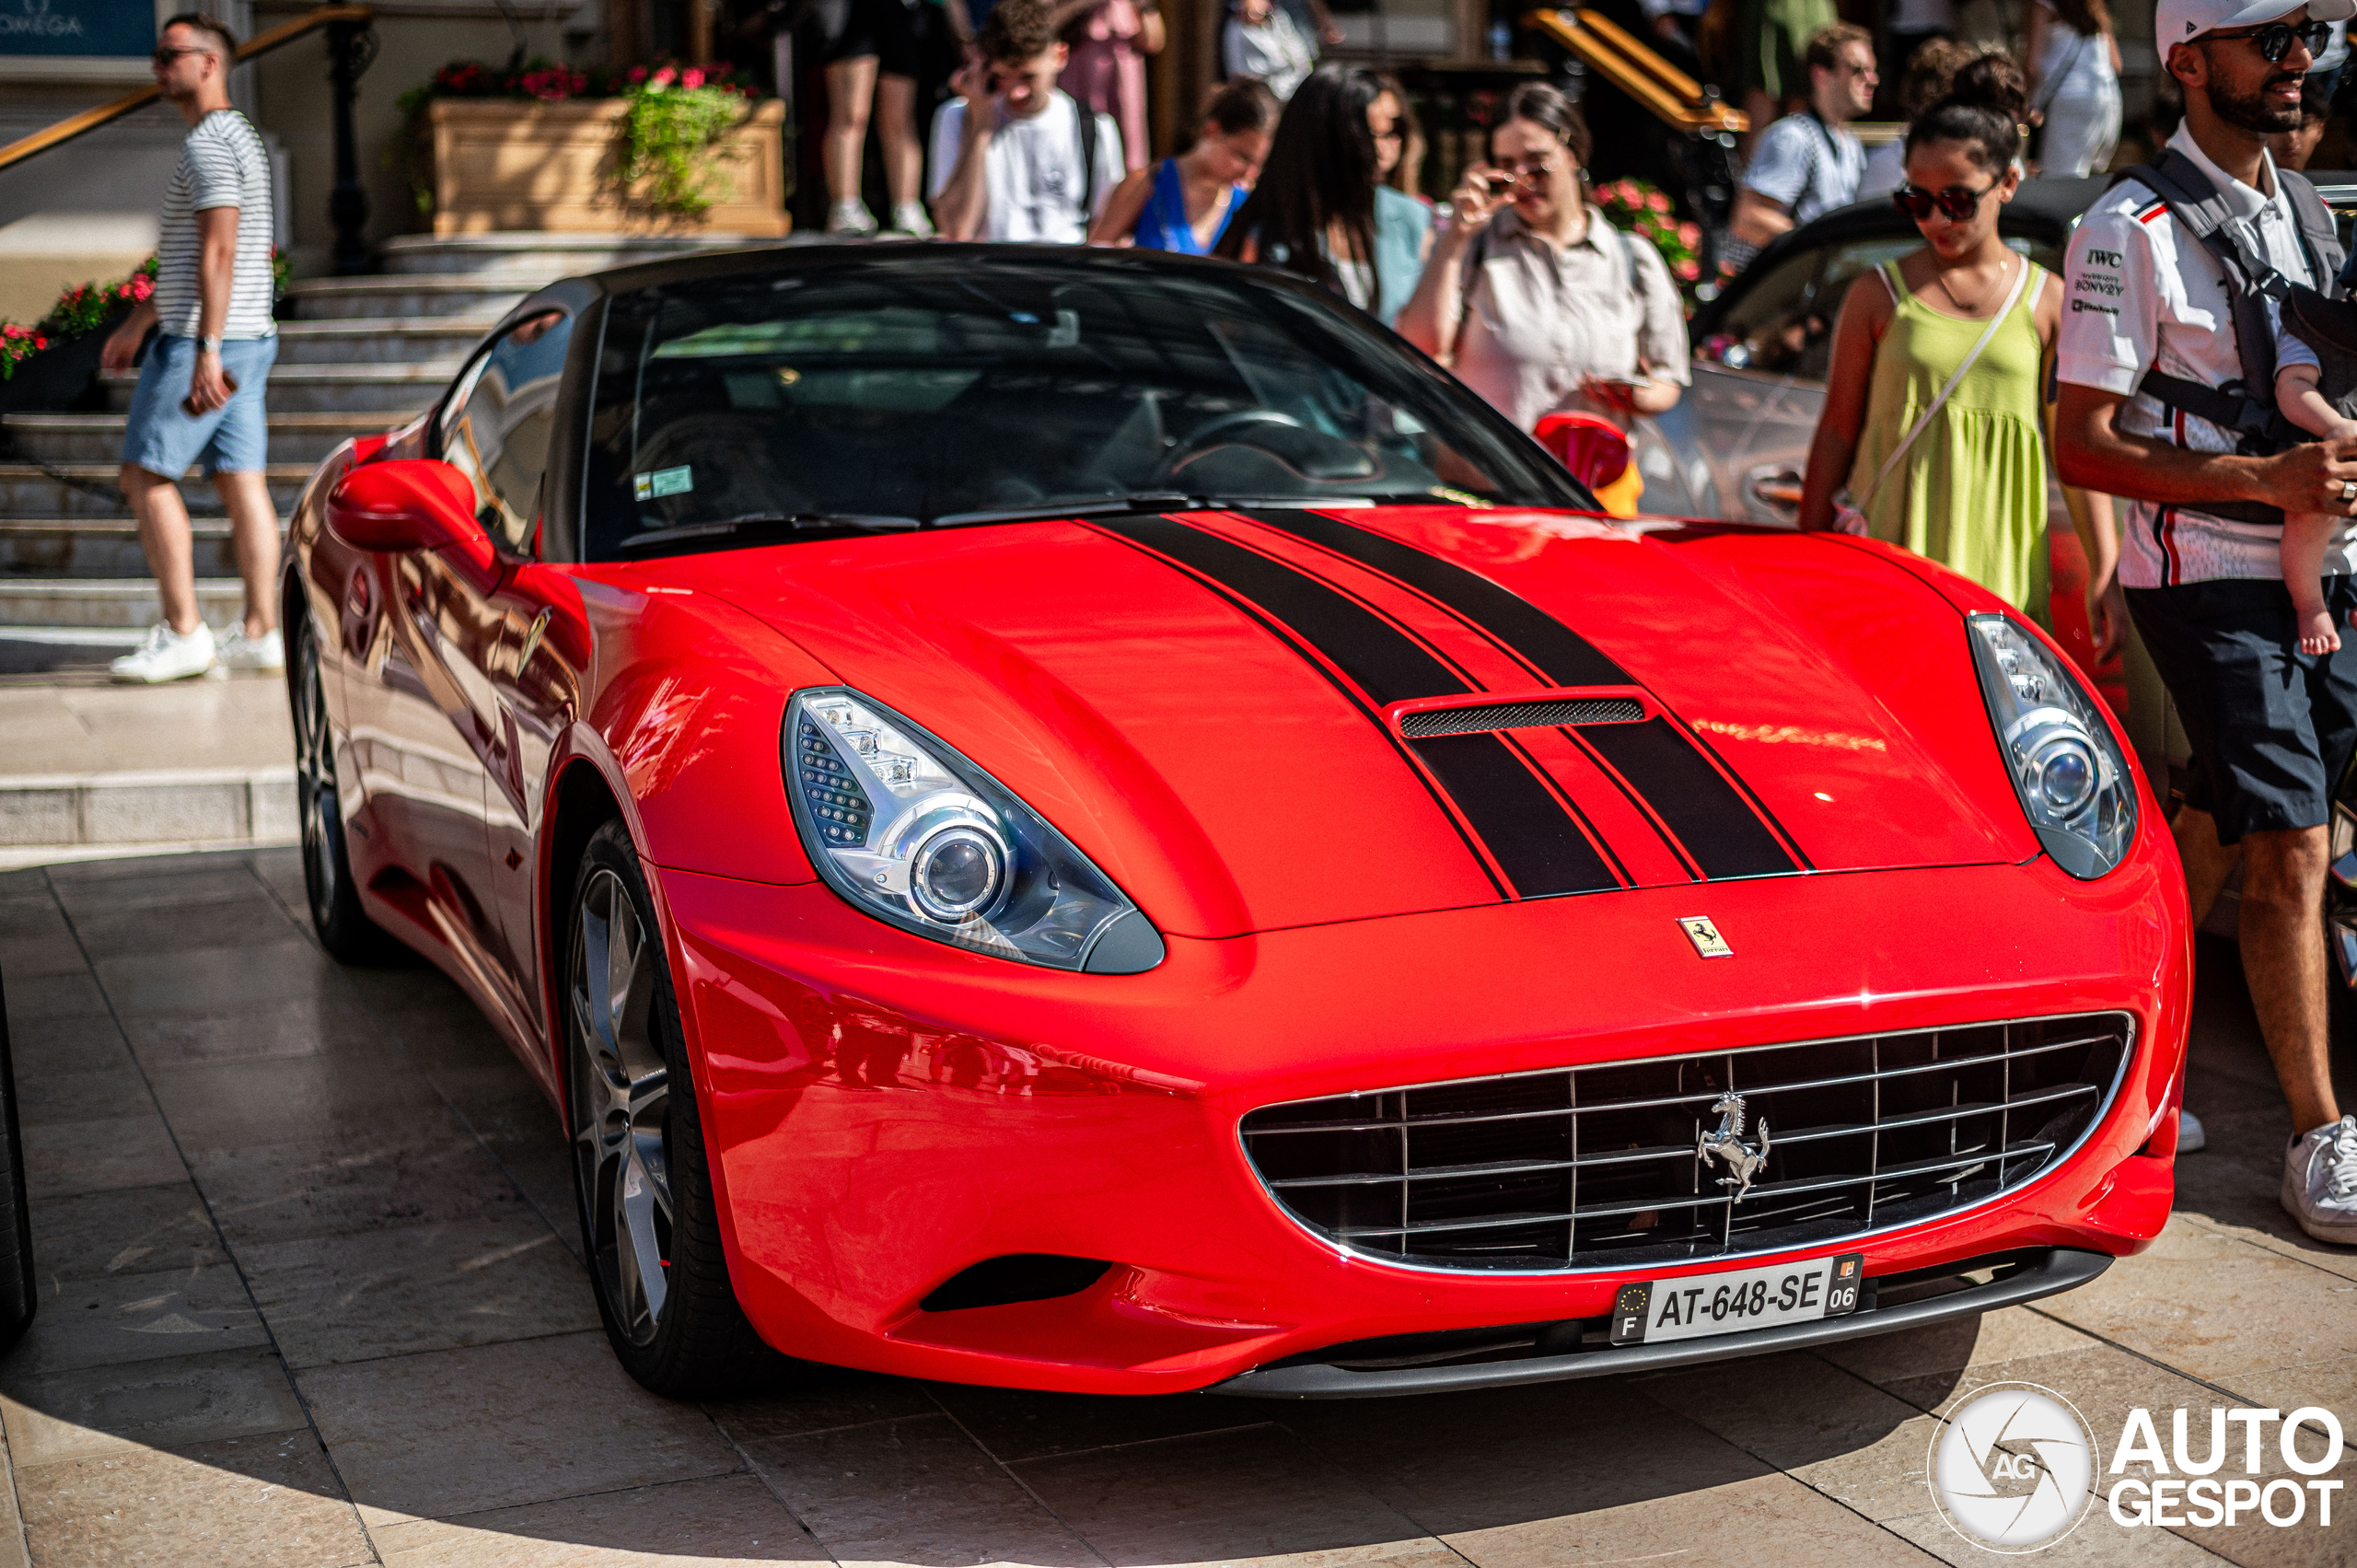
[692,78]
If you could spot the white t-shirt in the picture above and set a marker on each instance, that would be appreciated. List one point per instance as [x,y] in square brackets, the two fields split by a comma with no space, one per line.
[1274,51]
[2084,62]
[1808,168]
[2142,292]
[222,164]
[1033,170]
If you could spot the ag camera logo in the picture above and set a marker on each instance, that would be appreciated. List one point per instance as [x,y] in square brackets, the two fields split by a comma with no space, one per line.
[2013,1468]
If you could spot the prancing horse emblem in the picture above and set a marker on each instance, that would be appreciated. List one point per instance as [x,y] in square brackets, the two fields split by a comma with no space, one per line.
[1744,1162]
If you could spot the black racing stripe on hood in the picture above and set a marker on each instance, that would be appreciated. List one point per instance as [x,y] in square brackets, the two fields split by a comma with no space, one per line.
[1694,800]
[1722,825]
[1533,838]
[1556,651]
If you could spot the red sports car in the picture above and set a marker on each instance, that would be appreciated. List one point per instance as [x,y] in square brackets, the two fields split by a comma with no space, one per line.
[1087,819]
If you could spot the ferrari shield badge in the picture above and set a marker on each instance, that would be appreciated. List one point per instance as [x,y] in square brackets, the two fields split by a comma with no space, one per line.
[1705,937]
[1742,1160]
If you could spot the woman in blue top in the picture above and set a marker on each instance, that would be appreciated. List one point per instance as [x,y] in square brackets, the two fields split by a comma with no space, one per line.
[1183,203]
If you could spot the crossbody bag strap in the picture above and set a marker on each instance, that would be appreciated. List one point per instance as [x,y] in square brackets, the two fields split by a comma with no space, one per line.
[2013,297]
[2053,84]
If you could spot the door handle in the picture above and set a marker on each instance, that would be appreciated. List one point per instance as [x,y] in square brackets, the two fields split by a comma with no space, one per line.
[1781,488]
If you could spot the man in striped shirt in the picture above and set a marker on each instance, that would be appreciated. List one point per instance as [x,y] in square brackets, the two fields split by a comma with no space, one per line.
[200,394]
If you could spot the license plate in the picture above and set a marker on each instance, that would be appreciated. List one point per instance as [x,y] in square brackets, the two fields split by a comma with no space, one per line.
[1737,1301]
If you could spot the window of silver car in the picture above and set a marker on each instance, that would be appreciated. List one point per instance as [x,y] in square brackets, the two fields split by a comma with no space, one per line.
[496,425]
[1783,323]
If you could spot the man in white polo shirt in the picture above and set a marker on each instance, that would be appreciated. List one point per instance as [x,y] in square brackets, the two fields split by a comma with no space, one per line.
[2167,364]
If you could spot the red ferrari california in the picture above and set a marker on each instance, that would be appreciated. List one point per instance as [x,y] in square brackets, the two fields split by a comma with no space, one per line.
[1087,819]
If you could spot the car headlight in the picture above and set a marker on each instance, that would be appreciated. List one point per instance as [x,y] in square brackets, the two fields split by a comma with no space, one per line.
[909,831]
[2069,772]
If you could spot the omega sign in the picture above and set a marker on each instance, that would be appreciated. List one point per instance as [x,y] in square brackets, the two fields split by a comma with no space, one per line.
[77,27]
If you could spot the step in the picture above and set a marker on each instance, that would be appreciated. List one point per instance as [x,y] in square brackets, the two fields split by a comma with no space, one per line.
[100,547]
[363,341]
[120,604]
[125,812]
[397,390]
[98,437]
[537,260]
[88,490]
[401,298]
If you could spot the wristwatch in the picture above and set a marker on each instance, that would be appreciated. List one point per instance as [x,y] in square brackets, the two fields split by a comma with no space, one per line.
[209,345]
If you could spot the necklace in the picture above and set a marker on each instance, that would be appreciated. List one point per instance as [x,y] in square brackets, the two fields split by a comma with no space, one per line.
[1941,278]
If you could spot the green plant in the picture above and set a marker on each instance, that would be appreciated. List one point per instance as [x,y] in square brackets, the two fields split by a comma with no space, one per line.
[661,163]
[84,308]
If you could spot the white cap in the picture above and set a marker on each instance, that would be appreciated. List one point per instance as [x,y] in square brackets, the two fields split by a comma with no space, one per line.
[2182,21]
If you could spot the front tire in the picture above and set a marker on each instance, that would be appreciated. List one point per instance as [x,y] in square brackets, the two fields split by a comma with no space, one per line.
[345,928]
[649,1223]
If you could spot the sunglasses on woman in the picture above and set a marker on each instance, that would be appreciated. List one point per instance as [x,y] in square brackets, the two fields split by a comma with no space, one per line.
[1956,203]
[2275,39]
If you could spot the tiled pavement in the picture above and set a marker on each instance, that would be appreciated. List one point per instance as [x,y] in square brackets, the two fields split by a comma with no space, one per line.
[310,1298]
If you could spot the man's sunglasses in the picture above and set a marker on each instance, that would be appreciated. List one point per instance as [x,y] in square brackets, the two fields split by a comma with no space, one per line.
[1956,203]
[166,55]
[2275,39]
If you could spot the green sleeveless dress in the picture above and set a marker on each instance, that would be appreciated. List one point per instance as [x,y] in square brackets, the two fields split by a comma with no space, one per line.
[1970,493]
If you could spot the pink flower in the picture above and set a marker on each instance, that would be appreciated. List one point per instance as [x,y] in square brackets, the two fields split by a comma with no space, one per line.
[1689,235]
[663,79]
[1688,270]
[1658,201]
[638,74]
[692,78]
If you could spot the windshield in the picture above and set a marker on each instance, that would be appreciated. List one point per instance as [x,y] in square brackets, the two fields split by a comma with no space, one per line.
[901,392]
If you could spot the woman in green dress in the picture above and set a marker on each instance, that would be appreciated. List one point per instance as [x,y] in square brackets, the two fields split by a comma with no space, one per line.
[1970,489]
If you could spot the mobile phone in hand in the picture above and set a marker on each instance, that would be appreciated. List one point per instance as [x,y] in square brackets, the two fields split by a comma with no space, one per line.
[187,404]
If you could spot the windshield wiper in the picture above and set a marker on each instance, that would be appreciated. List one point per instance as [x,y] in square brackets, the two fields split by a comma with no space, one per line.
[795,522]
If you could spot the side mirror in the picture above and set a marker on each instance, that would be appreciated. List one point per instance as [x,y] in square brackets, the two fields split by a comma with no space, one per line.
[405,503]
[1591,448]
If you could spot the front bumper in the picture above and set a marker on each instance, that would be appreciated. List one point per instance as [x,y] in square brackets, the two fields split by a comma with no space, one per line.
[885,1111]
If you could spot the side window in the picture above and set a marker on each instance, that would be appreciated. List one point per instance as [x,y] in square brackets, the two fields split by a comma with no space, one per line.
[497,425]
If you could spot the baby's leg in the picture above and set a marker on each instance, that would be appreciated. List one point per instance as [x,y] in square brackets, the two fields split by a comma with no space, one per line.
[2305,535]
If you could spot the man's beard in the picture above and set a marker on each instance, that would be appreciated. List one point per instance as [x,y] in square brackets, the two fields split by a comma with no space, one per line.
[2254,110]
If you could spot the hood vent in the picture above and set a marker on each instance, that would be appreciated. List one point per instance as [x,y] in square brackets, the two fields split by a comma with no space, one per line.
[1425,723]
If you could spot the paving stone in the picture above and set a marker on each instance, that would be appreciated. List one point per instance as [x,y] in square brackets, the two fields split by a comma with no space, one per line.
[48,1098]
[79,1043]
[418,1287]
[825,1398]
[303,1026]
[120,936]
[504,1107]
[53,952]
[205,981]
[2215,1307]
[1840,1433]
[109,1321]
[914,1491]
[255,1502]
[458,1432]
[2239,1199]
[148,1404]
[2008,1334]
[234,1105]
[1015,1424]
[1258,1494]
[42,996]
[720,1523]
[131,1230]
[1770,1521]
[68,1157]
[2096,1543]
[420,1169]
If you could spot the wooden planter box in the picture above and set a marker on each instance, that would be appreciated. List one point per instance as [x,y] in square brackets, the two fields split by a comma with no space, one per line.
[504,164]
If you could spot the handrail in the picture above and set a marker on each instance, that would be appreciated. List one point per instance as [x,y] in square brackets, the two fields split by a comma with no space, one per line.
[90,120]
[1663,90]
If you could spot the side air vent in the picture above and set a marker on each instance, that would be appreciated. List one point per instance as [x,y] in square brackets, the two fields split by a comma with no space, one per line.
[1018,1276]
[1425,723]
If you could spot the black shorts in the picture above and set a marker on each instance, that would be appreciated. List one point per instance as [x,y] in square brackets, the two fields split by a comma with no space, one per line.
[2272,728]
[892,30]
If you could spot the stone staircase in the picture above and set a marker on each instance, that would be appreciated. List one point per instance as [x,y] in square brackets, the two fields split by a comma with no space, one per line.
[360,355]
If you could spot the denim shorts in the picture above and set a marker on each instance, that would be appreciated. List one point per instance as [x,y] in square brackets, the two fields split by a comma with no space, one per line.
[233,439]
[2272,728]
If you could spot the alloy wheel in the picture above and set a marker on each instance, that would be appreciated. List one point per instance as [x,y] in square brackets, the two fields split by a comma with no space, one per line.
[621,1105]
[315,786]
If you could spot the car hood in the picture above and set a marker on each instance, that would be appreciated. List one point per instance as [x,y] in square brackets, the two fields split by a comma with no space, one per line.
[1231,712]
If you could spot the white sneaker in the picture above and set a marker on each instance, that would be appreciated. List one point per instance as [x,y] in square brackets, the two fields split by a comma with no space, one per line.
[241,653]
[2190,1138]
[851,218]
[910,217]
[165,656]
[2320,1181]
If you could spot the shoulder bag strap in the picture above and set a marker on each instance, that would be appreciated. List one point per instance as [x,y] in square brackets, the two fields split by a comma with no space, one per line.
[2013,297]
[1087,124]
[2053,84]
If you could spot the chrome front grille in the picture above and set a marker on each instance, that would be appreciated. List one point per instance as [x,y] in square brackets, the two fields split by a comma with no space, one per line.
[1590,1167]
[1424,723]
